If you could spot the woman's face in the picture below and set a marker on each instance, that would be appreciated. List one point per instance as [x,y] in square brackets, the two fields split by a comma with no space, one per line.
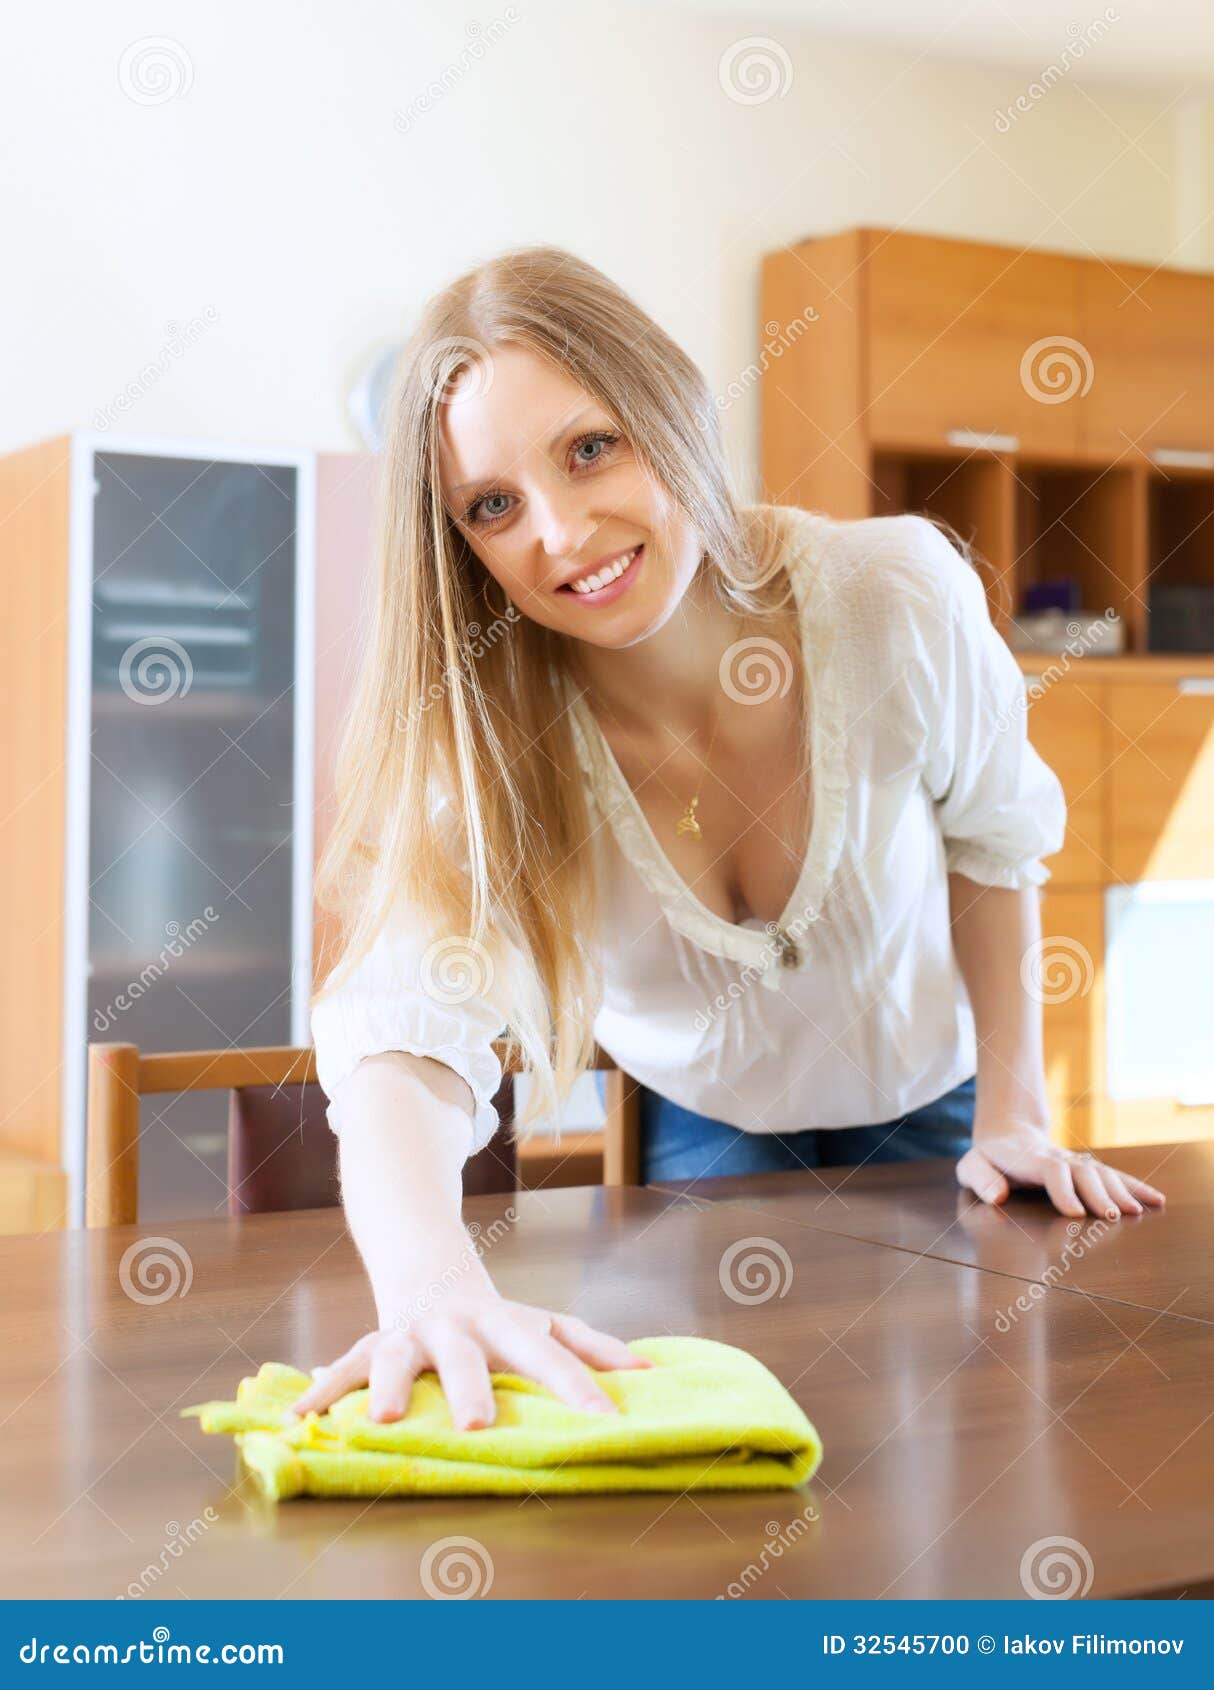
[547,491]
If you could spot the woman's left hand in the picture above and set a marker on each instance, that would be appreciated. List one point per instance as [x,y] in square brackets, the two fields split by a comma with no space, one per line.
[1022,1154]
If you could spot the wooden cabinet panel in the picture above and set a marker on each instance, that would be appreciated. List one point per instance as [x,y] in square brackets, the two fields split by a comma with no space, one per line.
[951,328]
[1066,724]
[1068,979]
[1160,780]
[1155,1120]
[1150,335]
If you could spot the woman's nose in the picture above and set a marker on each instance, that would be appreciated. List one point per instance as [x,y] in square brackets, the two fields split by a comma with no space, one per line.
[563,526]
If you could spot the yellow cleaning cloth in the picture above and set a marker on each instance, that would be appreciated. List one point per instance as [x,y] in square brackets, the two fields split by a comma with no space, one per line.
[707,1416]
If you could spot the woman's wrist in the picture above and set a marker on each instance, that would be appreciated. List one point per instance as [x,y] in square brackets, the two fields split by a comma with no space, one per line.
[421,1282]
[995,1117]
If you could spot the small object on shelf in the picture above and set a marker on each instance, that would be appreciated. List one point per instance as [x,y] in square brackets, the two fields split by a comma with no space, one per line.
[1181,618]
[1080,633]
[1061,593]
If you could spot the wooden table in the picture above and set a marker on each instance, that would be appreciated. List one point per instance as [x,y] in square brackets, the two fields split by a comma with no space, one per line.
[957,1436]
[913,1206]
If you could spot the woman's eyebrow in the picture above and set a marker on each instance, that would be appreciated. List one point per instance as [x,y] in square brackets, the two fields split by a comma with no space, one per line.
[488,480]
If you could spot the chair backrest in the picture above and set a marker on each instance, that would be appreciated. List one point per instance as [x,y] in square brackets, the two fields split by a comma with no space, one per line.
[278,1106]
[282,1152]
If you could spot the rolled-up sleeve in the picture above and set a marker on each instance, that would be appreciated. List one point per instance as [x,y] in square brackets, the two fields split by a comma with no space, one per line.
[999,805]
[419,993]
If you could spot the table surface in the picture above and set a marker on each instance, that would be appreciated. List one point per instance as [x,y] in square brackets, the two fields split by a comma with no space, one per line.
[971,1416]
[1158,1261]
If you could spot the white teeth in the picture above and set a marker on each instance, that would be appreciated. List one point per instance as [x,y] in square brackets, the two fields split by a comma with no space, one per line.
[592,583]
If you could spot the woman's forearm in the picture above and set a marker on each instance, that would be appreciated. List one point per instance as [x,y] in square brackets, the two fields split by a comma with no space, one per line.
[405,1134]
[993,930]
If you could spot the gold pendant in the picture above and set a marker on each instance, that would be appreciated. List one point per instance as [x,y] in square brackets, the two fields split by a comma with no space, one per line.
[687,822]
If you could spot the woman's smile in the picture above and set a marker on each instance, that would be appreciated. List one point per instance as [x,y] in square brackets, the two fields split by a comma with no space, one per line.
[607,583]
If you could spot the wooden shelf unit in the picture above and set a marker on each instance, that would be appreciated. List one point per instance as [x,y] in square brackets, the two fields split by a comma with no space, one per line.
[922,382]
[956,379]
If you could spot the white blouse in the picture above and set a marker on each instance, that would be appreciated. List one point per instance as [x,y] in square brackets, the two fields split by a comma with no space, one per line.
[850,1010]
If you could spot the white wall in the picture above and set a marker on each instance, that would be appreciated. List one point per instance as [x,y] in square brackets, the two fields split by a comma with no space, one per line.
[279,203]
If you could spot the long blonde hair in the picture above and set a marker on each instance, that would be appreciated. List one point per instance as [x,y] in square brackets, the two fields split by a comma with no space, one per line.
[458,787]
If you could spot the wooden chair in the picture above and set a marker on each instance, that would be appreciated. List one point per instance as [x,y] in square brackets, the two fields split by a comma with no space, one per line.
[282,1153]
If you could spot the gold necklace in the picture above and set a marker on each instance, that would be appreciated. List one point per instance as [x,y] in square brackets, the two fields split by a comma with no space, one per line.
[689,822]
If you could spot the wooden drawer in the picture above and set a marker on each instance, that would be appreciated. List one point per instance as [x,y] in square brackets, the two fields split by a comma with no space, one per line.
[1150,334]
[1160,780]
[950,323]
[1066,724]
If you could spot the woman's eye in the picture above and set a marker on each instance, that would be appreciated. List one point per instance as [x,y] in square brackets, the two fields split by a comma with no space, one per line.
[483,504]
[491,507]
[598,444]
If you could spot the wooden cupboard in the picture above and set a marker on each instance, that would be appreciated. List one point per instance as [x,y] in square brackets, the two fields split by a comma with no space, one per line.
[1054,410]
[180,628]
[951,330]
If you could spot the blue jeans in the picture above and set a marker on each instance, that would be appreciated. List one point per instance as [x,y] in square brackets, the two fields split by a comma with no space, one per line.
[678,1144]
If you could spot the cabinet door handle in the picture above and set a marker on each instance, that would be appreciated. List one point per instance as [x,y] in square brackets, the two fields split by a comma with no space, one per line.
[1196,684]
[1176,457]
[984,442]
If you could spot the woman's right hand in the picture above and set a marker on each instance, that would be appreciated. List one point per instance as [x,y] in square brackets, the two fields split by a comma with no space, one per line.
[462,1339]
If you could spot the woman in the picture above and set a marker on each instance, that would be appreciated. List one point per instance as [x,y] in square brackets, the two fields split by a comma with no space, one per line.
[745,794]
